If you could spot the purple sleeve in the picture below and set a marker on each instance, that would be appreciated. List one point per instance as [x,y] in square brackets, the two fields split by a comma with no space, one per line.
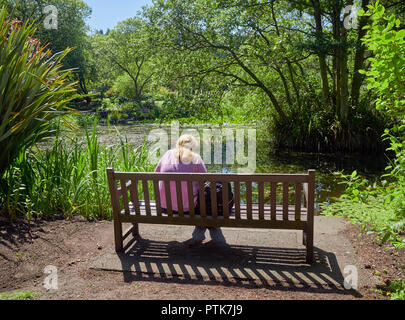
[159,166]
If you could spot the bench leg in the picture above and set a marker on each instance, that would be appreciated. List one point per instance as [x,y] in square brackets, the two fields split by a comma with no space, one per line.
[309,242]
[119,247]
[135,229]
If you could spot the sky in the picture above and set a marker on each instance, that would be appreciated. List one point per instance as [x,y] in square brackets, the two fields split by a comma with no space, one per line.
[107,13]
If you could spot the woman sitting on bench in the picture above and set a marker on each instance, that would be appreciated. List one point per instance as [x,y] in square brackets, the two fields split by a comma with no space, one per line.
[183,159]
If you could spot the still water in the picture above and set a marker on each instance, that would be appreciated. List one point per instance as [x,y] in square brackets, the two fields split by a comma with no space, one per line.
[328,188]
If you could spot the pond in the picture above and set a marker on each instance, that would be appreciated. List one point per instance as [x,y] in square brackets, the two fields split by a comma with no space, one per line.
[328,188]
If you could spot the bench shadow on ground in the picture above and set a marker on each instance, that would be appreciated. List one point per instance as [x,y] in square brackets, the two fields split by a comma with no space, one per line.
[233,265]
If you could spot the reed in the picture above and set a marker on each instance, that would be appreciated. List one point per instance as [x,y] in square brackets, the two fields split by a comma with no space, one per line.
[69,178]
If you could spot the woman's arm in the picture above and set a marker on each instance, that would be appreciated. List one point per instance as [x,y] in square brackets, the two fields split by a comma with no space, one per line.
[159,166]
[200,165]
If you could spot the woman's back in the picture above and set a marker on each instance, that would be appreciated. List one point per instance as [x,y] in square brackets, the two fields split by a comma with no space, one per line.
[170,162]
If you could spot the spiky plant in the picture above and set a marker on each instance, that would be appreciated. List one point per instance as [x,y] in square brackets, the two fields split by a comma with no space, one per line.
[34,88]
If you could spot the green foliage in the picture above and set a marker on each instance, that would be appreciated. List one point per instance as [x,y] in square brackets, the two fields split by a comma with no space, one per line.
[71,31]
[69,178]
[382,207]
[370,206]
[386,77]
[20,295]
[83,119]
[109,104]
[124,58]
[121,108]
[387,72]
[397,290]
[33,89]
[124,85]
[371,213]
[357,188]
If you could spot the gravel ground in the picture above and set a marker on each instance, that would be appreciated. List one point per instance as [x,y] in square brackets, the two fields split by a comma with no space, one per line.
[73,245]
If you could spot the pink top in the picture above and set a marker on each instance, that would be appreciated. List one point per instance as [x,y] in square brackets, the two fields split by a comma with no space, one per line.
[170,163]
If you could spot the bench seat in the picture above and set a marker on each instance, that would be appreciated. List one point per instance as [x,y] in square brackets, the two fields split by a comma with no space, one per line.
[243,209]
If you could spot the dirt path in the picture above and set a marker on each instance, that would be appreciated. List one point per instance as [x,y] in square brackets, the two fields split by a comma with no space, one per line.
[73,247]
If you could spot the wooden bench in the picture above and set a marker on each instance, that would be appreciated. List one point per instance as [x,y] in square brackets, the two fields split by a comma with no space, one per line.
[284,201]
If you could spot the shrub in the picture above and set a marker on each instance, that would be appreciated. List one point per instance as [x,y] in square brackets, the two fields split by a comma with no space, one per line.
[386,78]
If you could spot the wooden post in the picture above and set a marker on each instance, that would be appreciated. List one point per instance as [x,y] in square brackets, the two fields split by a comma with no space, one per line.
[135,229]
[309,239]
[116,210]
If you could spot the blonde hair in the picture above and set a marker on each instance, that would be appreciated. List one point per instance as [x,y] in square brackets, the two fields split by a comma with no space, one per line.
[184,148]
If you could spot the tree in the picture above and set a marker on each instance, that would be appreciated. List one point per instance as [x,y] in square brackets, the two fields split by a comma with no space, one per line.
[338,44]
[71,30]
[386,77]
[125,49]
[244,43]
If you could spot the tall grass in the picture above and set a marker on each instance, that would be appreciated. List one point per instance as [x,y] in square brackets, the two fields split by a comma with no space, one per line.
[69,178]
[34,89]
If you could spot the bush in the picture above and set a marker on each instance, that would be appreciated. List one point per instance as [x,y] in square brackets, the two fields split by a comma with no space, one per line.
[386,78]
[397,289]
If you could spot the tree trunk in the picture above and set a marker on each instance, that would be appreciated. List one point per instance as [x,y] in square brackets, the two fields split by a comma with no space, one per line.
[344,73]
[336,59]
[359,58]
[285,84]
[296,90]
[321,55]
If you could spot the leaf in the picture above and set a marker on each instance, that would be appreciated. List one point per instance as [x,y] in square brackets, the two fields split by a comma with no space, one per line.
[386,237]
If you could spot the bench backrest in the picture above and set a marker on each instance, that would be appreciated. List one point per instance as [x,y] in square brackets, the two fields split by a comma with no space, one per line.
[277,194]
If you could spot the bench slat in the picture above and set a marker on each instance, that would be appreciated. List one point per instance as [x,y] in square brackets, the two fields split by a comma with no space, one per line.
[168,197]
[285,201]
[134,196]
[297,201]
[214,207]
[273,187]
[179,198]
[124,192]
[146,196]
[249,199]
[305,188]
[157,197]
[203,209]
[190,195]
[261,200]
[237,199]
[225,199]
